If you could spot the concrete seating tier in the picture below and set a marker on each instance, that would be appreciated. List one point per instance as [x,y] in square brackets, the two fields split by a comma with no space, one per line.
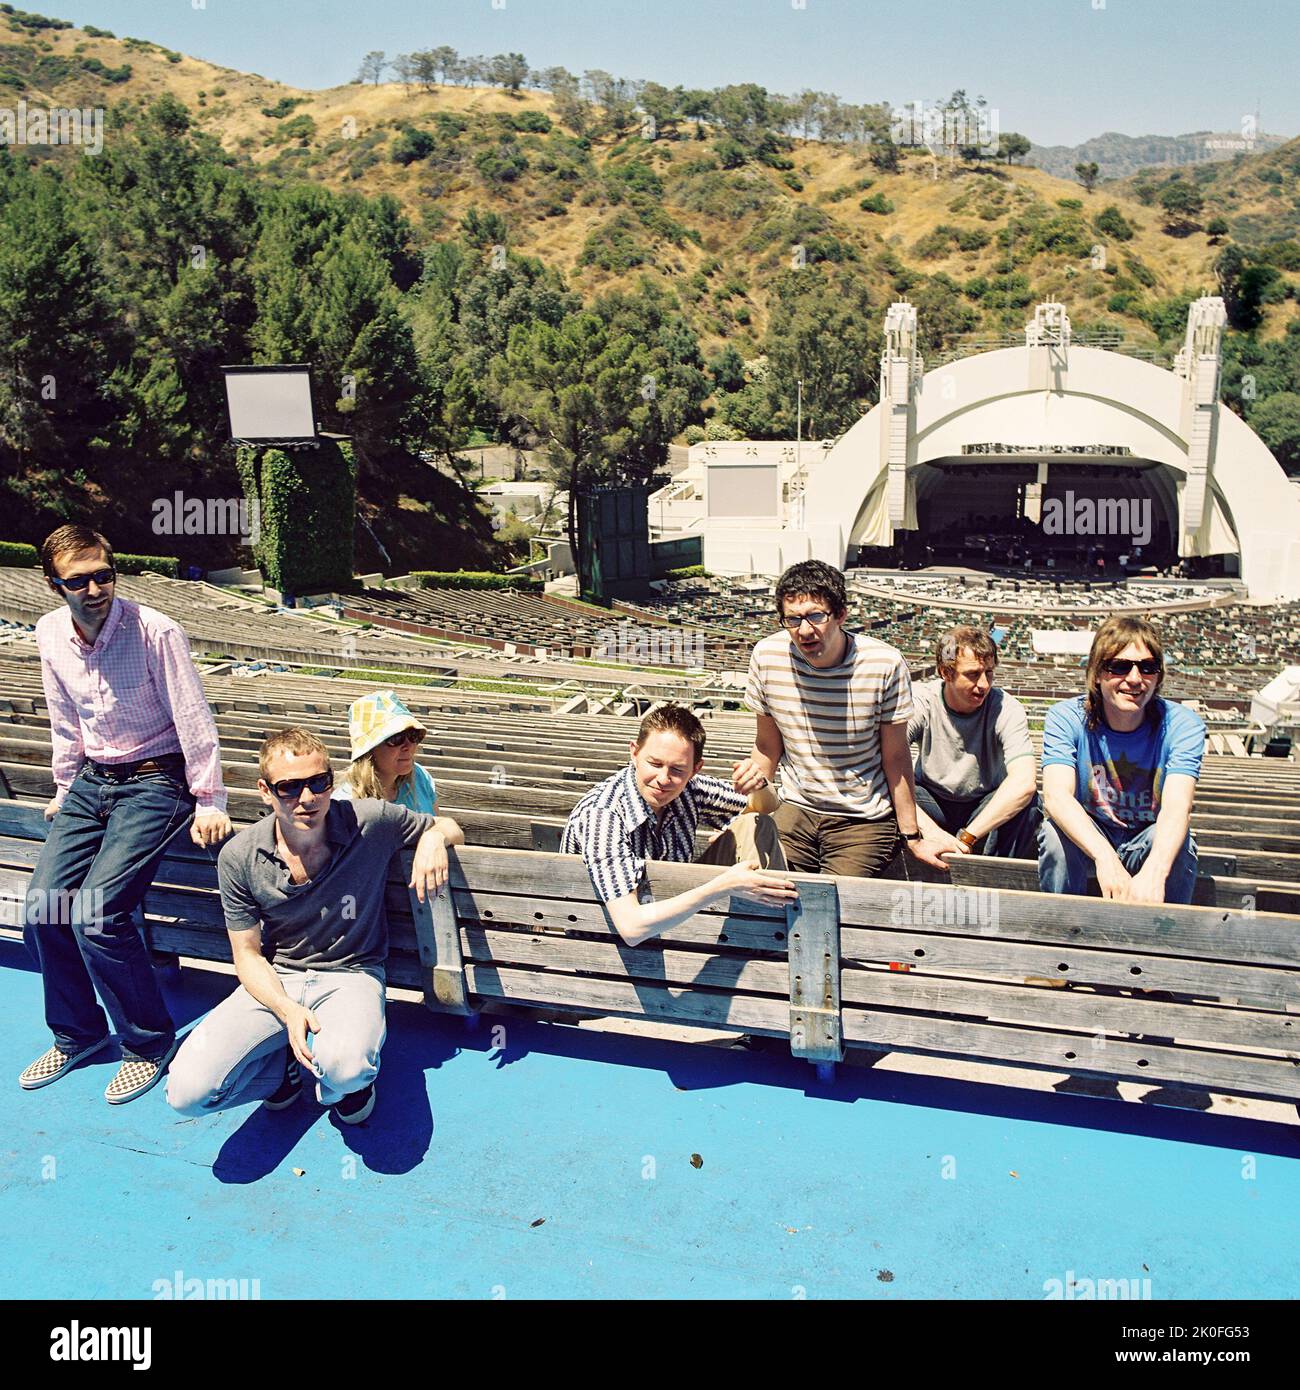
[529,622]
[1217,654]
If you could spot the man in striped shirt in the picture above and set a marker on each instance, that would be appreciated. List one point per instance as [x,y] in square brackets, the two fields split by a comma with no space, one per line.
[135,753]
[832,709]
[651,810]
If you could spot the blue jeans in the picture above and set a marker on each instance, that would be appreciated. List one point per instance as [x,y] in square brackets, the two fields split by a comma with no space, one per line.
[237,1054]
[97,862]
[1064,868]
[1013,839]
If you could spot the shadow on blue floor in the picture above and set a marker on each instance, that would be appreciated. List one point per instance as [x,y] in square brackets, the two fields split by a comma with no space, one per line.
[398,1134]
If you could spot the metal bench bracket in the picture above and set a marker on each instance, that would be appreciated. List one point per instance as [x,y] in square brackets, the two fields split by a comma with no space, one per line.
[813,929]
[437,936]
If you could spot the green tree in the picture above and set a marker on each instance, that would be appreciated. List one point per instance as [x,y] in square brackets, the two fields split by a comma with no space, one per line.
[1111,222]
[510,70]
[173,223]
[884,155]
[59,350]
[824,332]
[1012,146]
[663,106]
[1243,284]
[411,145]
[727,369]
[1087,174]
[1183,203]
[445,60]
[577,389]
[325,295]
[372,66]
[1276,419]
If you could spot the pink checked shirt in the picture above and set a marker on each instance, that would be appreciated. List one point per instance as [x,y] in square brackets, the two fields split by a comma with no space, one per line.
[134,695]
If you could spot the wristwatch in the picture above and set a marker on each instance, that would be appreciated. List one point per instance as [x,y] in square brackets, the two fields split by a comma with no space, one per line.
[966,838]
[915,835]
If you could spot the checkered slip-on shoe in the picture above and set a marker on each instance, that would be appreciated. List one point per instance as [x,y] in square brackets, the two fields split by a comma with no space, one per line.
[51,1065]
[136,1076]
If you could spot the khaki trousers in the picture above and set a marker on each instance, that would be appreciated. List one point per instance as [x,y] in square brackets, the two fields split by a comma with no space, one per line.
[822,844]
[749,836]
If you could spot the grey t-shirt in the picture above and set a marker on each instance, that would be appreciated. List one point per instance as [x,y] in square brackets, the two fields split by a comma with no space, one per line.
[335,921]
[965,756]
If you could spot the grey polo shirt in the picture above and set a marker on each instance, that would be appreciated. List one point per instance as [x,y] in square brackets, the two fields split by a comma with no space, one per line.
[335,921]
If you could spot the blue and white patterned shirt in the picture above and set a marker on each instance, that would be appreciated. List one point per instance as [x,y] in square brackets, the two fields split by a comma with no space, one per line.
[615,831]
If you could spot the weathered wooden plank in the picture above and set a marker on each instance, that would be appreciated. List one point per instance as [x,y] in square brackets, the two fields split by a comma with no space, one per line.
[1261,987]
[916,948]
[1164,929]
[1036,1005]
[1194,932]
[906,948]
[1119,1059]
[983,871]
[1058,1051]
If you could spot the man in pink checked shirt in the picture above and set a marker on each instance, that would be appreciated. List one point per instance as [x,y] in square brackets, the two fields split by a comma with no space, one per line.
[135,753]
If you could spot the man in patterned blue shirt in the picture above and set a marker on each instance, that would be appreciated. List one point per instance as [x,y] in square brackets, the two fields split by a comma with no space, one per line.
[651,810]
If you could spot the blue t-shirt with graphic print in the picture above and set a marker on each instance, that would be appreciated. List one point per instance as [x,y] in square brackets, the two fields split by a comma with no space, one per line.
[1120,777]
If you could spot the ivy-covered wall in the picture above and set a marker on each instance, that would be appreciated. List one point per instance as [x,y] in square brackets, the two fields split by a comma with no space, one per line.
[308,501]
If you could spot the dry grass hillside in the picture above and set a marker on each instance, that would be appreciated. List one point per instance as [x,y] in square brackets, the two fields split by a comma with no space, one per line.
[984,242]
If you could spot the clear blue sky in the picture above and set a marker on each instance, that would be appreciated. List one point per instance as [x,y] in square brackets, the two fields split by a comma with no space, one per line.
[1059,70]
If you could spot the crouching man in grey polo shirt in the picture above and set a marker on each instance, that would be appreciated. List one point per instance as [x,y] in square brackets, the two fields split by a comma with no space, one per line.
[303,896]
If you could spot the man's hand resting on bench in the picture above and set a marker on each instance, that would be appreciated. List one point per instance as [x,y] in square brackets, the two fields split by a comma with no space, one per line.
[747,880]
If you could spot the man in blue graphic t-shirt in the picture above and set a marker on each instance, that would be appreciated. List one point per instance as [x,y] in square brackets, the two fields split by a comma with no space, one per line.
[1119,775]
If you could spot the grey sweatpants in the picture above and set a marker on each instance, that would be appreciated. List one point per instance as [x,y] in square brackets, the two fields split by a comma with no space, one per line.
[237,1054]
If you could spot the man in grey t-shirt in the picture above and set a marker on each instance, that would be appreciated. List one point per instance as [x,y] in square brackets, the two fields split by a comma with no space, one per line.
[975,766]
[303,896]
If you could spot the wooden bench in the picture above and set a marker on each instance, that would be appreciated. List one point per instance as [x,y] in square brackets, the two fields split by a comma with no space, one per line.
[963,972]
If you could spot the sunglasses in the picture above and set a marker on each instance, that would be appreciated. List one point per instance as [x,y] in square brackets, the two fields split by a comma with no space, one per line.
[817,619]
[405,737]
[291,788]
[1149,667]
[81,581]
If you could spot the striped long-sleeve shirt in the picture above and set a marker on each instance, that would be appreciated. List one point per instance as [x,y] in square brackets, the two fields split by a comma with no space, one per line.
[615,831]
[830,719]
[134,695]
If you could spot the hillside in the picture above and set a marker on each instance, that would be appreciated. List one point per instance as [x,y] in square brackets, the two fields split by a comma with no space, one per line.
[1118,156]
[607,210]
[440,253]
[1258,195]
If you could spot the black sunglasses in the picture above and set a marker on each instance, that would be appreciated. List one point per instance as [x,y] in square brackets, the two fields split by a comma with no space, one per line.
[1150,667]
[406,736]
[291,788]
[78,582]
